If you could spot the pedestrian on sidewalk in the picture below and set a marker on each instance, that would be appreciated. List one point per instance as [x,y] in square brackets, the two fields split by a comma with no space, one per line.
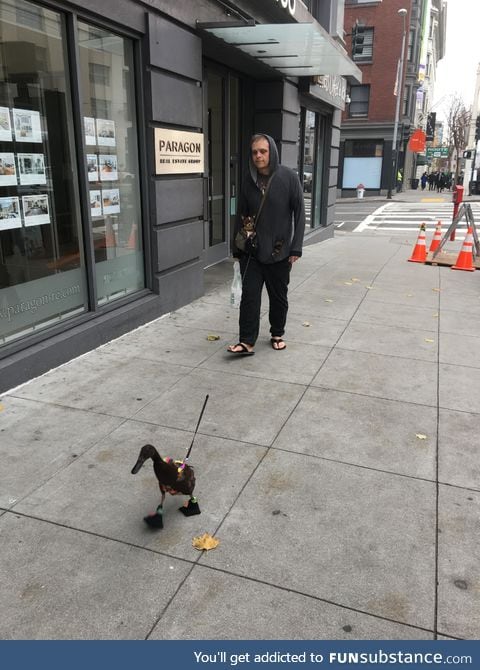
[423,180]
[275,192]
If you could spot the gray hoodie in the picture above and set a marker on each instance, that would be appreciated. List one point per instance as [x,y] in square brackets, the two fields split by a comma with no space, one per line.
[281,225]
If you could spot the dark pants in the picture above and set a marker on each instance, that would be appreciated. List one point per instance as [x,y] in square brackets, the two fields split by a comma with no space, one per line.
[276,277]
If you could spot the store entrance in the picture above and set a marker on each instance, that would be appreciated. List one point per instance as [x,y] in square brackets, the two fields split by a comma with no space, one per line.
[222,123]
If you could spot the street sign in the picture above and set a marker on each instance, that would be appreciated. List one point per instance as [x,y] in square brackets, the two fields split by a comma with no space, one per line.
[437,152]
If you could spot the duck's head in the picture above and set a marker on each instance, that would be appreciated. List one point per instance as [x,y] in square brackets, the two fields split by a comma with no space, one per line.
[146,452]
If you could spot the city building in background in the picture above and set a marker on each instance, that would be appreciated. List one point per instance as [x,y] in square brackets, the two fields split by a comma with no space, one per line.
[471,176]
[374,34]
[430,19]
[124,138]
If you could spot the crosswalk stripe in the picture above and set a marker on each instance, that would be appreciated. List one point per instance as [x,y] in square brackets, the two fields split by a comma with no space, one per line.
[391,217]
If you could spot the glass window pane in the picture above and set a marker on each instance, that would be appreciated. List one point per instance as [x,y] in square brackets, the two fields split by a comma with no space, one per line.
[110,130]
[309,162]
[42,278]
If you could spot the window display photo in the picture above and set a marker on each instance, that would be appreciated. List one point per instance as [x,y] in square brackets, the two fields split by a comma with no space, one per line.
[27,126]
[8,173]
[106,132]
[108,167]
[32,169]
[89,126]
[10,213]
[35,209]
[5,127]
[111,201]
[96,203]
[92,167]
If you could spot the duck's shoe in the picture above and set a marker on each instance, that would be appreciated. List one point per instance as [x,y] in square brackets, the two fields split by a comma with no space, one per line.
[190,508]
[154,520]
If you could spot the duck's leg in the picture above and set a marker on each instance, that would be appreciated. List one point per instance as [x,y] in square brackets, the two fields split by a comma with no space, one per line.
[190,507]
[155,520]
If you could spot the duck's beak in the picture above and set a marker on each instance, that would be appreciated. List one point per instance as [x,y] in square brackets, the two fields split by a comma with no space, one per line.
[138,465]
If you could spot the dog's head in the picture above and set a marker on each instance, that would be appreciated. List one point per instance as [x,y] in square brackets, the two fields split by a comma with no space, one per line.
[248,223]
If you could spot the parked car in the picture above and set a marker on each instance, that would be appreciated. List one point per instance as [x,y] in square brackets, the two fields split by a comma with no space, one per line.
[307,178]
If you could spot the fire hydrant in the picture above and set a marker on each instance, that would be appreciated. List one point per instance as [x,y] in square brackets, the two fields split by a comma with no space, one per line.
[360,191]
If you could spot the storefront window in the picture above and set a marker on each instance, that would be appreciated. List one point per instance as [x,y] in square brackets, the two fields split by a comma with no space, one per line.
[362,163]
[42,278]
[311,165]
[110,132]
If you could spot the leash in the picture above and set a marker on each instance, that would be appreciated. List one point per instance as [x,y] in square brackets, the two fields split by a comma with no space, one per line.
[184,462]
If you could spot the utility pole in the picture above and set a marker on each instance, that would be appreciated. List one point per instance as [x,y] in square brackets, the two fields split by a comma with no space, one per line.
[403,13]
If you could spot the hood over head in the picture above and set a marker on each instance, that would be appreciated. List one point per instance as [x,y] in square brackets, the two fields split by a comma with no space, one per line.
[274,160]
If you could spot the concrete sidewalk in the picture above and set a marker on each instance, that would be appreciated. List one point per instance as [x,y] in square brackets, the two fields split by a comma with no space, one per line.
[341,475]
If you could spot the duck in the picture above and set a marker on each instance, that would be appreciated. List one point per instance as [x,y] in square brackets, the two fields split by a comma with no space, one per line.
[174,477]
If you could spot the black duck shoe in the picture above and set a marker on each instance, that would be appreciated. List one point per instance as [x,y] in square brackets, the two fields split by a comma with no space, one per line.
[191,509]
[154,520]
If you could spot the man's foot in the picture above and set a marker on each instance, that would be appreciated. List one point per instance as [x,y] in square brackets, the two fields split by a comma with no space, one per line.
[277,343]
[241,349]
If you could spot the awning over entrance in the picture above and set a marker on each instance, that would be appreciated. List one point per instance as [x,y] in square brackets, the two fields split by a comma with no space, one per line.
[296,49]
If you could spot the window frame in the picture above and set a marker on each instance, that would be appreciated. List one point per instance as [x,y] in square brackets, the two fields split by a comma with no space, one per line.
[368,31]
[364,87]
[71,18]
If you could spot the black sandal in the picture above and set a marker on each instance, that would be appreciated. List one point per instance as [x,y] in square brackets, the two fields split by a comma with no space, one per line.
[276,341]
[244,350]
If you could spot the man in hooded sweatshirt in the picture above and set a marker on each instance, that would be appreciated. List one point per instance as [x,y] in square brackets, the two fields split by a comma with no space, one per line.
[279,231]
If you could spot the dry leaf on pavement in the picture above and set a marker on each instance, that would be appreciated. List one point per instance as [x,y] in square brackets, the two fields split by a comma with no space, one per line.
[420,436]
[205,541]
[212,338]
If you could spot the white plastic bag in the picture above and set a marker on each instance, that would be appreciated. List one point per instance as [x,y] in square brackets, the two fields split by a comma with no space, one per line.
[236,291]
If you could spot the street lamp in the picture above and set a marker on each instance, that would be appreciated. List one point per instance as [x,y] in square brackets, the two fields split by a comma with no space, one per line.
[403,13]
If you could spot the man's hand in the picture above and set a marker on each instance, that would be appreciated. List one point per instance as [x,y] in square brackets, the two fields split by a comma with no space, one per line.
[292,259]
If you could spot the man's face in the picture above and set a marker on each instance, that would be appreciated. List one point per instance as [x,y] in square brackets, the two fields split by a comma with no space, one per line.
[261,154]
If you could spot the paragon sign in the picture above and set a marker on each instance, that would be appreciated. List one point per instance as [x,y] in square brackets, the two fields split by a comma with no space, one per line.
[178,152]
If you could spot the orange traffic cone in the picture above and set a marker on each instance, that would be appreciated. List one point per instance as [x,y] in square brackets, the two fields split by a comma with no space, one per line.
[437,237]
[419,254]
[132,240]
[465,257]
[110,240]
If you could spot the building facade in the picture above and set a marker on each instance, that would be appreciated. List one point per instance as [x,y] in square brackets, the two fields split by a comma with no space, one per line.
[124,132]
[375,33]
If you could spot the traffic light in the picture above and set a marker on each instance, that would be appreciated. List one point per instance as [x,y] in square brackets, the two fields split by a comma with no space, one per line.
[358,38]
[477,129]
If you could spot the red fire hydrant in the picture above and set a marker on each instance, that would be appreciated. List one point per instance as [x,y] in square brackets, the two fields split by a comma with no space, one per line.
[457,198]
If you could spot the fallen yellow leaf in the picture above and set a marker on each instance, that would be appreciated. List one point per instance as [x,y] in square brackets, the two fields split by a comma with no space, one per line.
[436,289]
[347,283]
[409,295]
[369,286]
[306,324]
[328,300]
[436,315]
[420,436]
[1,407]
[205,542]
[355,279]
[212,338]
[427,339]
